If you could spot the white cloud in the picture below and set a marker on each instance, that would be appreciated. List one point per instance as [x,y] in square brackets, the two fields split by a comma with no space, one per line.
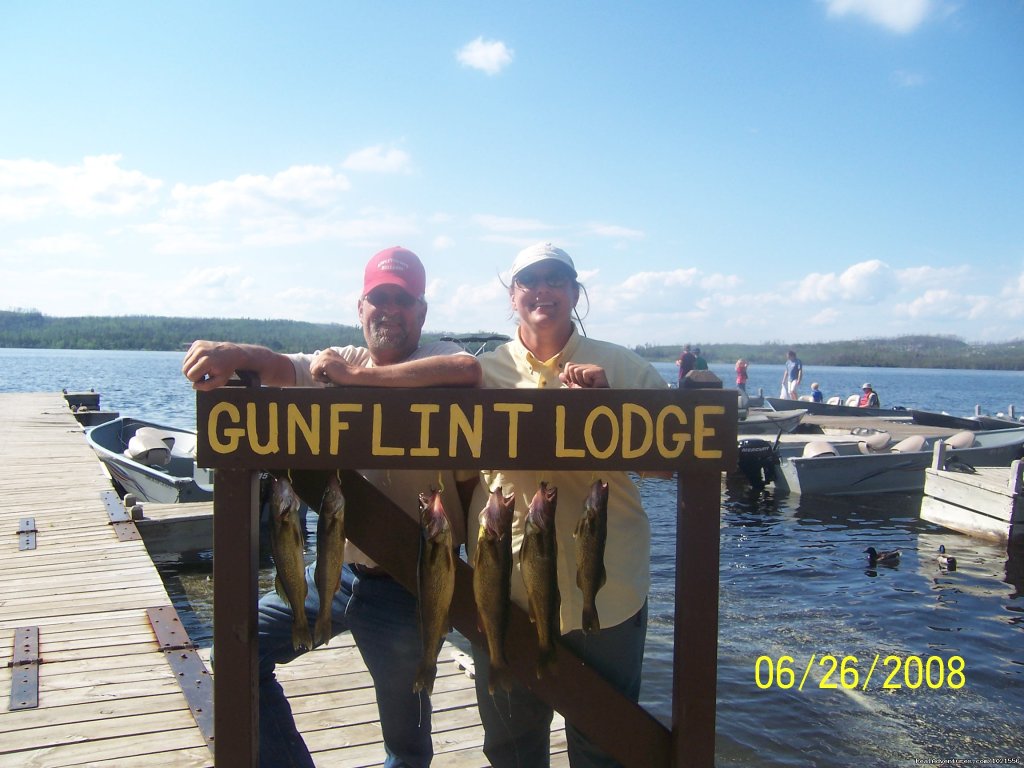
[509,224]
[616,232]
[258,195]
[58,244]
[378,159]
[905,79]
[490,56]
[96,187]
[862,283]
[900,16]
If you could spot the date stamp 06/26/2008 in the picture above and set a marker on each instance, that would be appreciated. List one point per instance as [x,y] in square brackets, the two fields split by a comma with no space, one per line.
[889,672]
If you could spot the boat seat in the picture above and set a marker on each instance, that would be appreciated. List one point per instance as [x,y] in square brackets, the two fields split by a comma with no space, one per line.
[852,400]
[806,398]
[911,444]
[817,448]
[963,439]
[151,447]
[834,400]
[875,443]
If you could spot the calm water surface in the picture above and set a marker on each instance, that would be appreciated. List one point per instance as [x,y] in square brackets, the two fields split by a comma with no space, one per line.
[794,582]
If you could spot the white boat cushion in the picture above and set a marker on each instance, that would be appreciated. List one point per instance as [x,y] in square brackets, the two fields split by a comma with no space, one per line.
[150,447]
[818,448]
[911,444]
[963,439]
[874,443]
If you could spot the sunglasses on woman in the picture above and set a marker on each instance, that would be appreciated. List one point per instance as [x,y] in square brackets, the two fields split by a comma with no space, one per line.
[531,280]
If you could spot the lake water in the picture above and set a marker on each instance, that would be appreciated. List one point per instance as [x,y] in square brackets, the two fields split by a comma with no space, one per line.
[794,583]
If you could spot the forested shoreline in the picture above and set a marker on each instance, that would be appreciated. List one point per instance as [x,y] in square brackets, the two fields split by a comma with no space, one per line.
[33,330]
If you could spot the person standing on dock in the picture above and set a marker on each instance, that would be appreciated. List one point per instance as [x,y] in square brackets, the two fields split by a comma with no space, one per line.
[686,362]
[741,375]
[380,612]
[548,351]
[792,376]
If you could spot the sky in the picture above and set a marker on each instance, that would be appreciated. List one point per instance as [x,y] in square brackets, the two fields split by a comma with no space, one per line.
[809,170]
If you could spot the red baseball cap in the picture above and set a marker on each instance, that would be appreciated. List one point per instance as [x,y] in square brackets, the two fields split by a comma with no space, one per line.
[396,266]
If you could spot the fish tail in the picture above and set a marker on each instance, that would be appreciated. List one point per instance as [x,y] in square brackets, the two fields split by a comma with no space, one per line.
[499,676]
[301,637]
[546,661]
[322,630]
[425,677]
[591,622]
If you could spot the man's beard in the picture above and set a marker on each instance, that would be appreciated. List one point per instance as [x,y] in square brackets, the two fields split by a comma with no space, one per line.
[388,337]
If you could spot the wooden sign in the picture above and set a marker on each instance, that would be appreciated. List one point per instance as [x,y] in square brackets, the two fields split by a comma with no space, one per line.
[366,428]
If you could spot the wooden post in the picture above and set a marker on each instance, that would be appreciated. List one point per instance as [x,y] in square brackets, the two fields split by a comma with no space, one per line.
[236,544]
[939,454]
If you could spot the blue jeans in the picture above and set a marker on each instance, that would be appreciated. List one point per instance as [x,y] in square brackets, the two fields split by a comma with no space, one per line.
[517,724]
[381,614]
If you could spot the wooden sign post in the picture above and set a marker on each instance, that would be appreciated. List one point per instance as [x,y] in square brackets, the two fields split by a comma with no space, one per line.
[692,433]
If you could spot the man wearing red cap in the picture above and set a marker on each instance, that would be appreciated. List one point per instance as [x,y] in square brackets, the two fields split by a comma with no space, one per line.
[380,613]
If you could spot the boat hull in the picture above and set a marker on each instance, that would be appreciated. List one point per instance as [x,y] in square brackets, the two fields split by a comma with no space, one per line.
[848,475]
[177,482]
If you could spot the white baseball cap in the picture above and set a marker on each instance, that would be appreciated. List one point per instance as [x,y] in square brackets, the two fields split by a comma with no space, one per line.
[537,253]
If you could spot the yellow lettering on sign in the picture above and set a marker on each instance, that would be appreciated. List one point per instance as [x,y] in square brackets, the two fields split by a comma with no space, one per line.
[233,434]
[560,450]
[679,439]
[473,433]
[513,410]
[337,425]
[310,429]
[629,410]
[376,448]
[588,432]
[702,432]
[424,410]
[271,446]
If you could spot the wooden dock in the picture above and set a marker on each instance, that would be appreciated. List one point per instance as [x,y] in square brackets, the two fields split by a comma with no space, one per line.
[988,502]
[107,690]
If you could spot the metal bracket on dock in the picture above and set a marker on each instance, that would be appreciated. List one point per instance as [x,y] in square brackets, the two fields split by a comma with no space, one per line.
[192,674]
[25,669]
[27,533]
[120,518]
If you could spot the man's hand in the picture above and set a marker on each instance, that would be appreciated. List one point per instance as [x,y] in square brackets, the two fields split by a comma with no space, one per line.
[209,364]
[583,376]
[331,368]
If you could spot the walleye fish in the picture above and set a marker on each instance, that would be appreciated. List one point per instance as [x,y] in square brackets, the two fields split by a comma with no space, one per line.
[538,561]
[330,554]
[436,585]
[286,547]
[591,535]
[492,581]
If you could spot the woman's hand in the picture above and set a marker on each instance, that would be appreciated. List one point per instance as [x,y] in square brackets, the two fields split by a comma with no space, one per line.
[583,376]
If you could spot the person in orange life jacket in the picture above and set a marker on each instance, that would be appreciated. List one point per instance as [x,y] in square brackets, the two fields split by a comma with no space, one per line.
[868,398]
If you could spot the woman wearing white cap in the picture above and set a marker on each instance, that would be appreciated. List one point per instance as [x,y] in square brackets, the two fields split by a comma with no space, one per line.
[548,351]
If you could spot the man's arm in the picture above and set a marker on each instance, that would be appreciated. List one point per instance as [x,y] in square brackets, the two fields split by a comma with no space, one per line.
[462,370]
[209,364]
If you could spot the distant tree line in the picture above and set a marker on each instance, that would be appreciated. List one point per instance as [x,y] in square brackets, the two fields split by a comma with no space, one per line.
[32,329]
[898,352]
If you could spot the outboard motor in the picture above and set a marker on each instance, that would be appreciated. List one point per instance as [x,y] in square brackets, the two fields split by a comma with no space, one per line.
[758,460]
